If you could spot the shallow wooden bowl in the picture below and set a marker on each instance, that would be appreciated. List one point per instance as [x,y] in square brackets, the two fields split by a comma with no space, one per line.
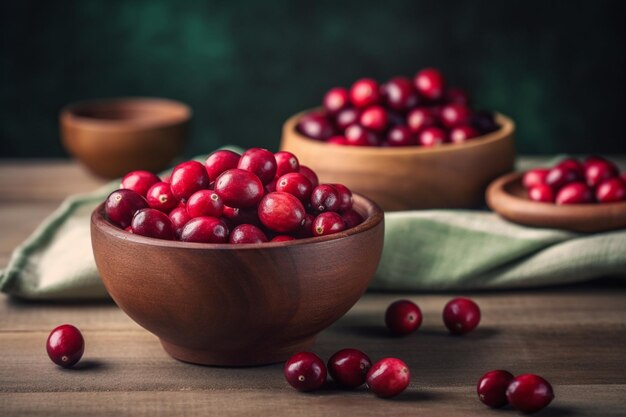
[114,136]
[507,197]
[238,305]
[449,176]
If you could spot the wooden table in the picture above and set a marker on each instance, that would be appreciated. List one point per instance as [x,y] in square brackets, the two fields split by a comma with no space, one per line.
[574,336]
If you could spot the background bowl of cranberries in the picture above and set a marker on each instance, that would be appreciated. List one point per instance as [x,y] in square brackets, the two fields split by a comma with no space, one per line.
[587,195]
[407,143]
[237,261]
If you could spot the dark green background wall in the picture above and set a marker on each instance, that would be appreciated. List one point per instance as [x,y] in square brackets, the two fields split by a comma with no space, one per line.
[557,67]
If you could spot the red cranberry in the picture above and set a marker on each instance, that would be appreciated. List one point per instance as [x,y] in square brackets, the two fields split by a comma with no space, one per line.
[236,216]
[328,223]
[282,238]
[399,94]
[204,230]
[270,187]
[325,197]
[484,121]
[305,371]
[281,212]
[316,126]
[65,345]
[611,190]
[247,233]
[179,218]
[153,223]
[388,377]
[345,196]
[462,134]
[121,205]
[187,178]
[454,115]
[457,96]
[351,218]
[310,174]
[431,137]
[239,188]
[260,162]
[205,203]
[492,387]
[559,176]
[338,140]
[575,193]
[403,317]
[598,171]
[295,184]
[348,367]
[534,177]
[374,118]
[364,92]
[529,393]
[286,162]
[306,230]
[400,136]
[161,197]
[220,161]
[430,83]
[139,181]
[347,117]
[573,164]
[357,135]
[420,118]
[541,193]
[335,100]
[461,315]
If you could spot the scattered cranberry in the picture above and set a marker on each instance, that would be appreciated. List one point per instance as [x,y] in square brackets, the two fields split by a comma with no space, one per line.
[153,223]
[492,387]
[403,317]
[161,197]
[400,136]
[328,223]
[247,233]
[336,99]
[325,197]
[598,171]
[374,118]
[541,193]
[305,371]
[310,174]
[281,212]
[399,94]
[139,181]
[430,83]
[461,315]
[349,367]
[204,230]
[534,177]
[357,135]
[431,137]
[239,188]
[316,126]
[295,184]
[420,118]
[121,205]
[574,193]
[364,92]
[220,161]
[388,377]
[260,162]
[529,393]
[611,190]
[65,345]
[205,203]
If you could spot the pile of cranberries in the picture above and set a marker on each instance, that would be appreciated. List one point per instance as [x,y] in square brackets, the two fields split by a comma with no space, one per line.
[255,197]
[527,393]
[423,111]
[595,180]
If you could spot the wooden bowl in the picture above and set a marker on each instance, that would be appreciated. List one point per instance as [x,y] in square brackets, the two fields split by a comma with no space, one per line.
[507,197]
[238,305]
[449,176]
[114,136]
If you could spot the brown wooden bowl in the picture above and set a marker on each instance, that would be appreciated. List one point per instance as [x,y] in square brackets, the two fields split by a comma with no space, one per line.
[112,137]
[508,197]
[238,305]
[449,176]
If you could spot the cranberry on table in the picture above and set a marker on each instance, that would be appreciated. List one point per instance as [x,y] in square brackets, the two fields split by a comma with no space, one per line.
[295,184]
[65,345]
[151,222]
[403,317]
[431,137]
[430,83]
[281,212]
[161,197]
[461,315]
[121,205]
[492,388]
[260,162]
[420,118]
[364,92]
[316,126]
[349,367]
[611,190]
[239,188]
[286,162]
[247,233]
[351,218]
[139,181]
[357,135]
[461,134]
[179,218]
[575,193]
[204,230]
[187,178]
[561,175]
[455,115]
[305,371]
[328,223]
[336,99]
[400,136]
[325,197]
[310,174]
[388,377]
[541,193]
[220,161]
[529,393]
[598,171]
[347,117]
[205,203]
[534,177]
[374,118]
[399,94]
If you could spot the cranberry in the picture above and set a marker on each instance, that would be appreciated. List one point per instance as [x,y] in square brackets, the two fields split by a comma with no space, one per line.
[204,230]
[65,345]
[534,177]
[351,218]
[281,212]
[316,126]
[239,188]
[374,118]
[345,196]
[461,315]
[286,162]
[357,135]
[335,100]
[388,377]
[430,83]
[400,136]
[573,164]
[306,230]
[541,193]
[431,137]
[325,197]
[457,96]
[347,117]
[337,140]
[529,393]
[399,94]
[139,181]
[328,223]
[305,371]
[247,233]
[121,205]
[153,223]
[310,174]
[260,162]
[454,115]
[611,190]
[492,387]
[236,216]
[484,121]
[462,134]
[560,175]
[575,193]
[403,317]
[420,118]
[205,203]
[364,92]
[295,184]
[348,367]
[179,218]
[187,178]
[282,238]
[161,197]
[220,161]
[598,171]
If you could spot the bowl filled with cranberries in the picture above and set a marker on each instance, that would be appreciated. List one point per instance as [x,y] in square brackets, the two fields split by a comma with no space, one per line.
[240,260]
[407,144]
[578,195]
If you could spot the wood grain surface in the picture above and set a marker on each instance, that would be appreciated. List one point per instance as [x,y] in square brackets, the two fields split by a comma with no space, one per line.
[574,336]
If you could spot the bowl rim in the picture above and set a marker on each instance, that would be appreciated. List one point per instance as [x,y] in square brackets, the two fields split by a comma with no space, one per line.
[507,128]
[376,216]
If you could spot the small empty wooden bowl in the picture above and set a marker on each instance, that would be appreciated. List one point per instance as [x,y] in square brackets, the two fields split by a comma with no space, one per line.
[112,137]
[238,305]
[508,197]
[412,177]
